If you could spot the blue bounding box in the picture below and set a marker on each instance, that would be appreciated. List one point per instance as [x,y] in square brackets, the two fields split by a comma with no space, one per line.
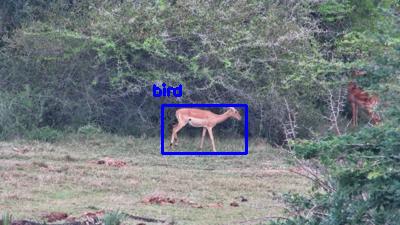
[246,128]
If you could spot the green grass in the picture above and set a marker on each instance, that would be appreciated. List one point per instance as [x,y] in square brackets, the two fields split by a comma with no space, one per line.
[59,177]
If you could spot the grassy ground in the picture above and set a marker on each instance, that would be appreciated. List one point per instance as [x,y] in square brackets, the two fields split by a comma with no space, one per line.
[36,178]
[193,145]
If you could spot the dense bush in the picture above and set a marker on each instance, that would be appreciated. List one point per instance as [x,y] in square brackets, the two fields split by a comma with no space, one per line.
[363,177]
[19,113]
[95,61]
[80,62]
[356,175]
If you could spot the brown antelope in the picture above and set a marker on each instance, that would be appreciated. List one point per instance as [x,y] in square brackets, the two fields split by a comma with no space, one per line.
[201,118]
[359,98]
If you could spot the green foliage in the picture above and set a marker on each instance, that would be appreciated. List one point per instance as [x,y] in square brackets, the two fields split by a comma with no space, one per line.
[358,15]
[364,173]
[155,45]
[46,134]
[70,63]
[334,10]
[113,218]
[98,66]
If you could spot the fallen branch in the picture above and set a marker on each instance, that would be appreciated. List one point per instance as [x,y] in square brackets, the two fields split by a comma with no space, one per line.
[27,222]
[145,219]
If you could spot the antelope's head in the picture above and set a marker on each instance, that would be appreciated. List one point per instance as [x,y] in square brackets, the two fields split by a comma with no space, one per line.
[232,112]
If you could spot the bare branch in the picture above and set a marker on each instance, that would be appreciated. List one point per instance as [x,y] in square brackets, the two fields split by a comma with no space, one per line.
[336,102]
[289,127]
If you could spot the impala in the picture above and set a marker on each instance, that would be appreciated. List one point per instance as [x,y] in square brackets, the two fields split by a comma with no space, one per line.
[201,118]
[359,98]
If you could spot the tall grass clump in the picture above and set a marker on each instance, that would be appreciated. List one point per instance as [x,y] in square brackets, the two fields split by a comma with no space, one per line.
[113,218]
[6,218]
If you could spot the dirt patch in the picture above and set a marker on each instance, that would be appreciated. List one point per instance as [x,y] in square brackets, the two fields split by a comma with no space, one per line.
[243,199]
[69,158]
[161,199]
[87,216]
[234,204]
[110,162]
[55,216]
[21,150]
[215,205]
[95,214]
[40,165]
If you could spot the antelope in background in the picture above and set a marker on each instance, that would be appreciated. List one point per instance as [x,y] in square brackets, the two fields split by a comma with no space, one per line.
[201,118]
[360,98]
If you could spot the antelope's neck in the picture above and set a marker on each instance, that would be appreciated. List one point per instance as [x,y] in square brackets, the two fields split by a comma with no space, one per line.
[221,118]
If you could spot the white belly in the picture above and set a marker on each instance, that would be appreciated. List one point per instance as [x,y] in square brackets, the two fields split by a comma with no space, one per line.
[197,122]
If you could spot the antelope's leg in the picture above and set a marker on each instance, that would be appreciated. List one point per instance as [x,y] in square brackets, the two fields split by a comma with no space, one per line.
[175,132]
[176,138]
[202,137]
[353,114]
[173,135]
[212,138]
[356,113]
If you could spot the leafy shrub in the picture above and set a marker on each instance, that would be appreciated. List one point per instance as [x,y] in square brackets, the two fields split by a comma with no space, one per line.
[111,79]
[46,134]
[113,218]
[89,130]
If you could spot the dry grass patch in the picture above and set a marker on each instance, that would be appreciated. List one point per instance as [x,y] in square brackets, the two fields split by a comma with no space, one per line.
[60,177]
